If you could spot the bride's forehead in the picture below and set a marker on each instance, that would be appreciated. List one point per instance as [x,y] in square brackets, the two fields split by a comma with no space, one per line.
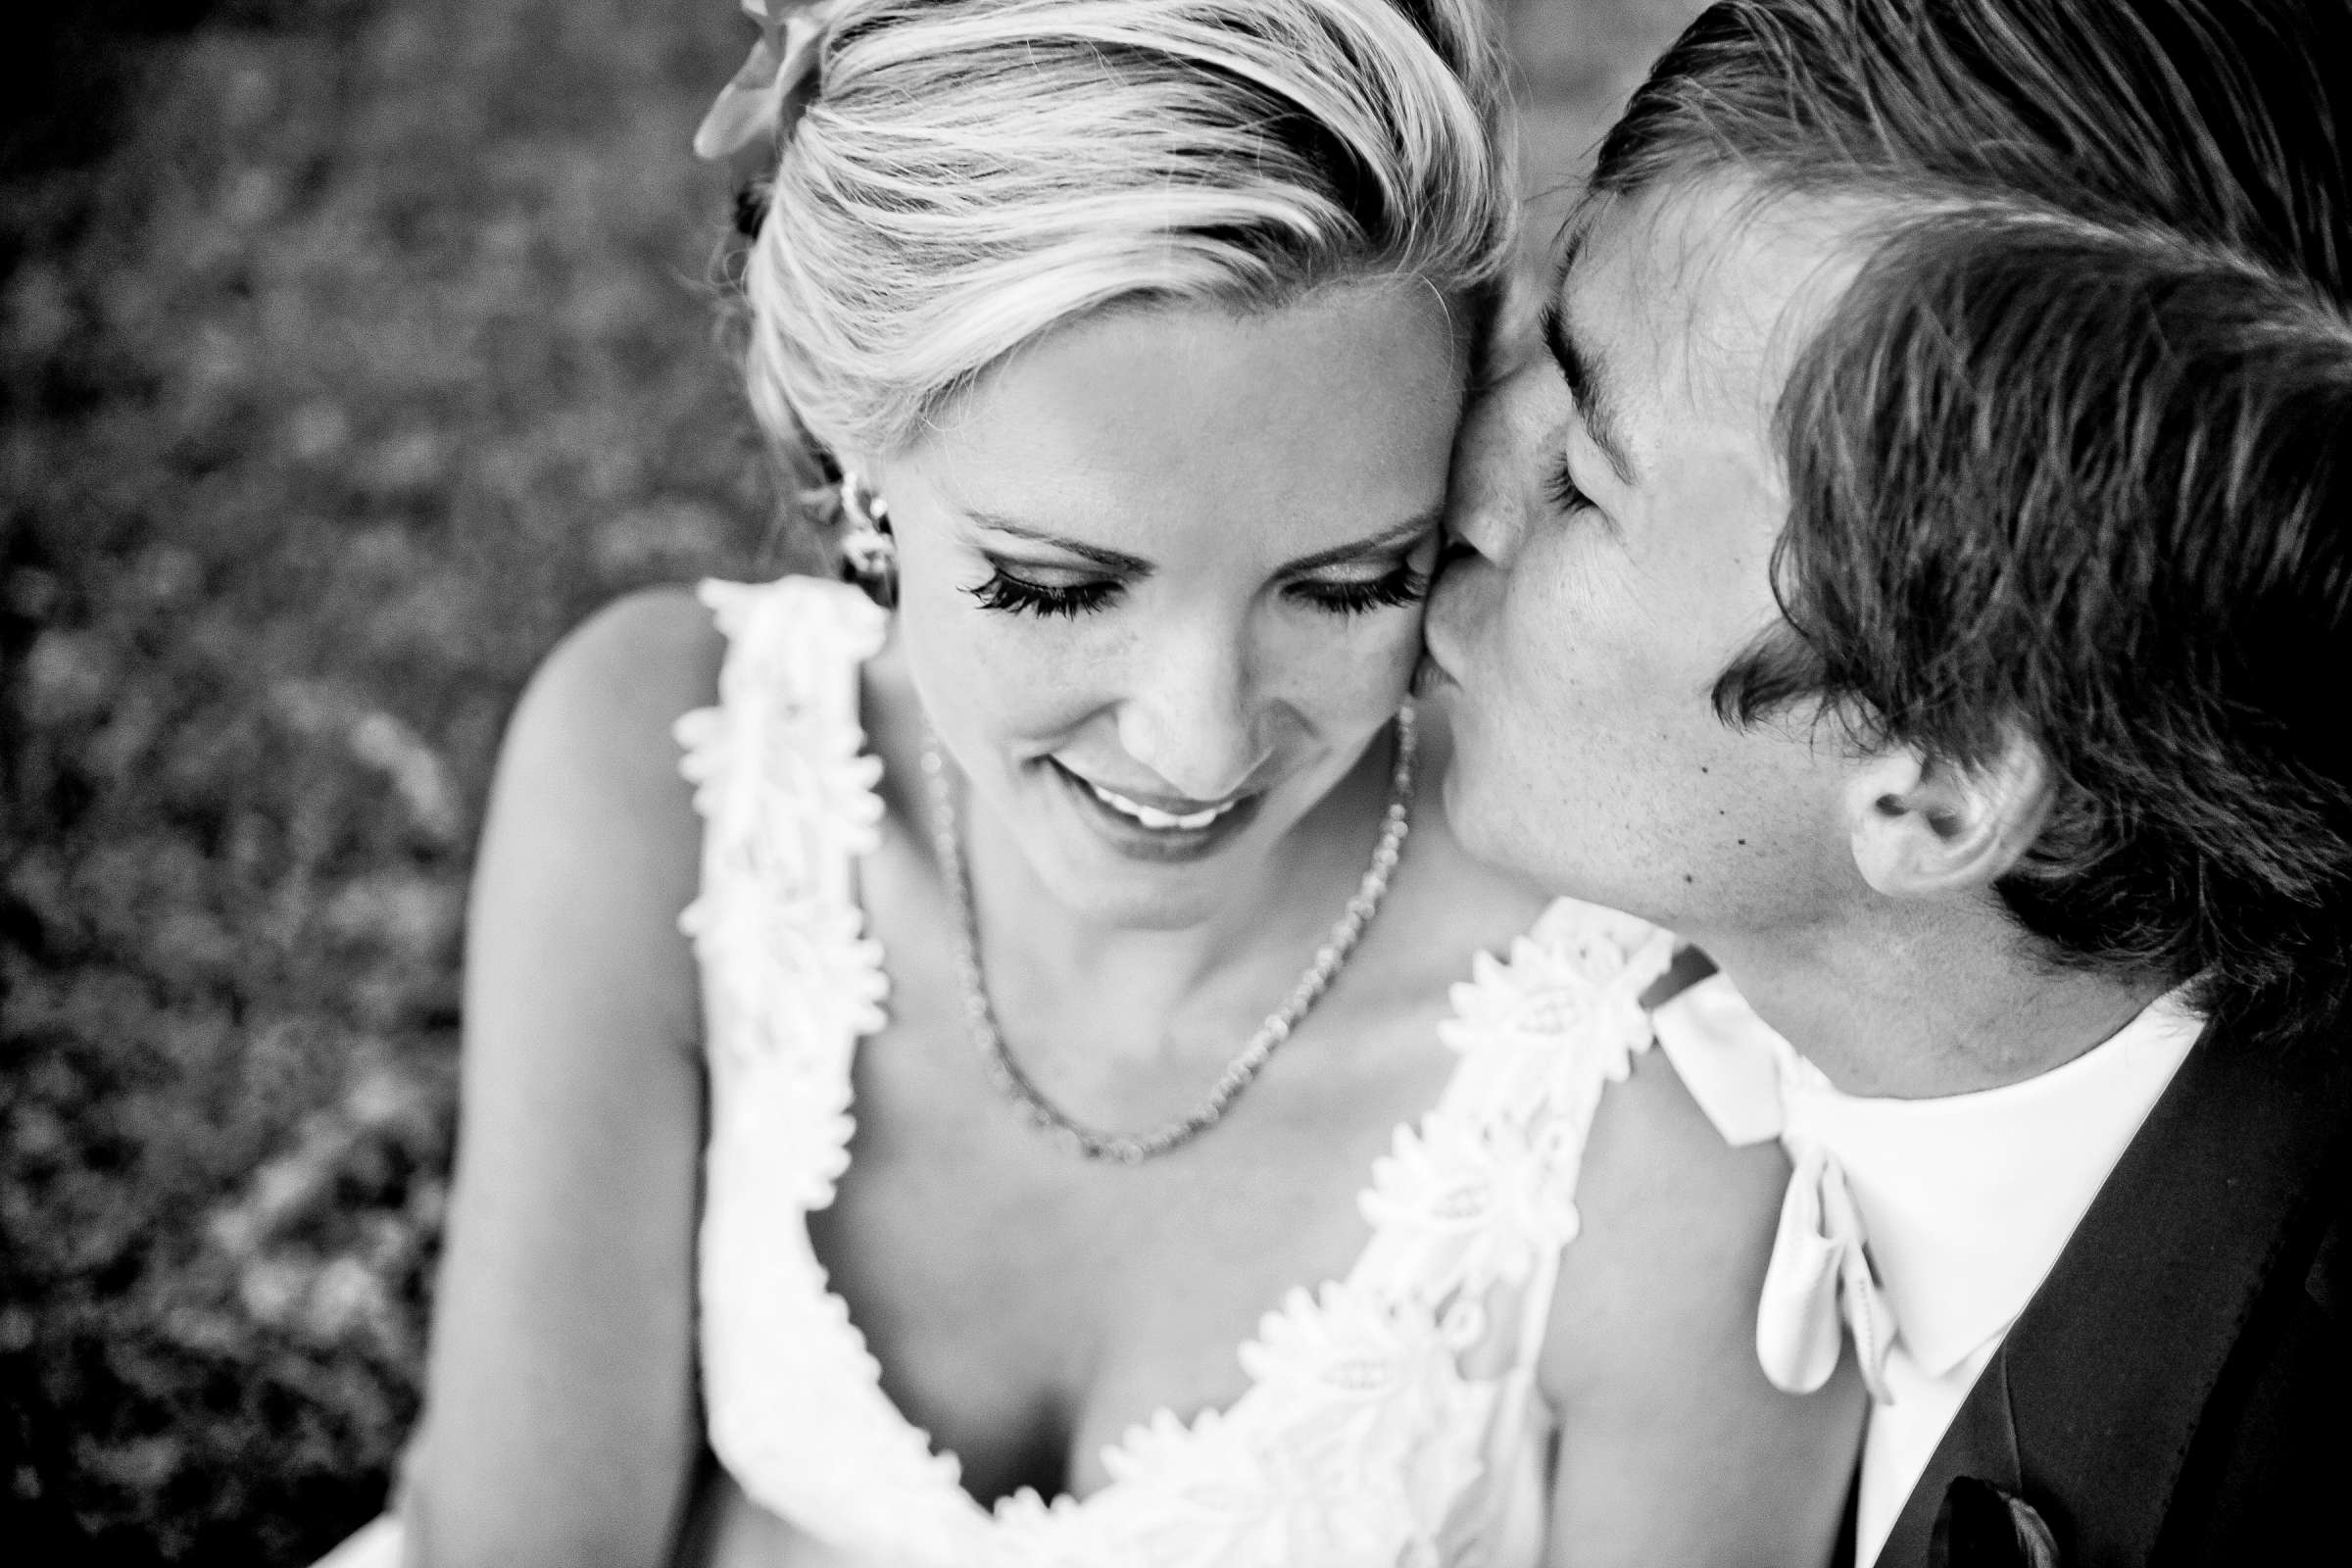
[1363,346]
[1331,403]
[1217,520]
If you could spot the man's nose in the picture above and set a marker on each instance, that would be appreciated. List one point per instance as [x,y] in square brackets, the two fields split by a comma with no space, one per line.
[1494,461]
[1190,715]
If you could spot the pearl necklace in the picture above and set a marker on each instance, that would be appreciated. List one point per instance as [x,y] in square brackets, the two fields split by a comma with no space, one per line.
[1133,1150]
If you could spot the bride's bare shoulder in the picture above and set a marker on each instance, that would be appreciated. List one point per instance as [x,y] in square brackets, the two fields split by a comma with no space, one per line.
[594,733]
[1651,1357]
[574,1197]
[617,682]
[590,821]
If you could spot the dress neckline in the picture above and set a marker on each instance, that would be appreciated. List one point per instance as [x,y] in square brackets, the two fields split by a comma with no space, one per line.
[1162,1426]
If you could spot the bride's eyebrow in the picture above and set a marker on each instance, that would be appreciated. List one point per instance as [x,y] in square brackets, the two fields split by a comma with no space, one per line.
[1410,531]
[1110,560]
[1384,543]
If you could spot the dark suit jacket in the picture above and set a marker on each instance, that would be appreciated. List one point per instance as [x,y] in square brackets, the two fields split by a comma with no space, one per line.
[2180,1390]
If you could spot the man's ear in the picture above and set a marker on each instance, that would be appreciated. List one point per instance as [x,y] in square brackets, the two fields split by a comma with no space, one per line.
[1921,826]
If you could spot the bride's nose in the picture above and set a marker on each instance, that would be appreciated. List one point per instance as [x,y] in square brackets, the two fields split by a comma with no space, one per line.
[1190,712]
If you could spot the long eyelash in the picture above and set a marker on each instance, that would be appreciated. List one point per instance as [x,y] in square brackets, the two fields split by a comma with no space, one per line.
[1403,586]
[1004,592]
[1566,494]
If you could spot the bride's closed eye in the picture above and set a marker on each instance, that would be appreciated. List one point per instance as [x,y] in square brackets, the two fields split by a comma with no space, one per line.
[1021,596]
[1400,586]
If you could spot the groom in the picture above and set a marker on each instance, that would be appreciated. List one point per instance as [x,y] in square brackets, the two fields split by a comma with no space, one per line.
[1919,570]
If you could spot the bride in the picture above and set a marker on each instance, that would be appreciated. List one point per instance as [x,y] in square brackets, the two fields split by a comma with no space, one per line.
[1021,1086]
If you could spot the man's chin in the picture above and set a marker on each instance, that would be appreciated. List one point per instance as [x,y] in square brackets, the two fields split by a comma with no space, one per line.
[1488,818]
[1468,804]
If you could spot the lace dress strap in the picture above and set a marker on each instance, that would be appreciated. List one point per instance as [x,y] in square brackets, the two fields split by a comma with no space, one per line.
[1475,1207]
[787,797]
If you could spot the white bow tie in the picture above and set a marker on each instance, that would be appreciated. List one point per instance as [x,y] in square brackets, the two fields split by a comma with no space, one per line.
[1818,1276]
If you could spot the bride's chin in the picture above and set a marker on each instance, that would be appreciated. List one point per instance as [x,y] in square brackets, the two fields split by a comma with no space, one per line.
[1123,897]
[1141,911]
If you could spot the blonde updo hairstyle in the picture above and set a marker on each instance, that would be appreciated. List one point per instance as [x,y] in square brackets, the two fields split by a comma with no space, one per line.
[972,174]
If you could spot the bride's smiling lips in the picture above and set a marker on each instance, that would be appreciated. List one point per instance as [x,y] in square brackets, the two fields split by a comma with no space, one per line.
[1151,825]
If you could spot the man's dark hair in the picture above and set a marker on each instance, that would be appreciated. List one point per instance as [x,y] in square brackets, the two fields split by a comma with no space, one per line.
[2071,458]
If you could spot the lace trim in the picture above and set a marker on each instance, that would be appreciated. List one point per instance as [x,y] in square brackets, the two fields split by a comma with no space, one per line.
[1359,1435]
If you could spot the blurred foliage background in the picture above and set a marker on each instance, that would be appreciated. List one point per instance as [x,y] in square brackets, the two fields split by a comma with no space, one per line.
[349,350]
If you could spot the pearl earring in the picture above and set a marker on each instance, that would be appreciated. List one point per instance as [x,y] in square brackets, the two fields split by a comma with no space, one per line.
[870,556]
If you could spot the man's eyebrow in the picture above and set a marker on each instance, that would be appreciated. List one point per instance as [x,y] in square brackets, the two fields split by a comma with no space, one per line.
[1110,560]
[1587,377]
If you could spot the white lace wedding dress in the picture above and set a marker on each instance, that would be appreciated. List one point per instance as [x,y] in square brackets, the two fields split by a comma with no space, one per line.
[1391,1419]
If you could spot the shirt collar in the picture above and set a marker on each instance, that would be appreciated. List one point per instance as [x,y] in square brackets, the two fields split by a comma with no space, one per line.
[1967,1199]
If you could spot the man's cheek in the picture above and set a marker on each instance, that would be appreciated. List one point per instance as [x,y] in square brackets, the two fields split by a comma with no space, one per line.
[1550,625]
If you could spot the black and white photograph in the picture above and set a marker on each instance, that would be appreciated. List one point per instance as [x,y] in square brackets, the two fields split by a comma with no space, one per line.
[1175,783]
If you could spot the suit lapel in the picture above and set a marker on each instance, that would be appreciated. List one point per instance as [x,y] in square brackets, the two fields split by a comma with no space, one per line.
[2088,1409]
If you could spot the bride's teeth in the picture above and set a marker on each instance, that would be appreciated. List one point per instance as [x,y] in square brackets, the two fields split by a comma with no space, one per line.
[1154,818]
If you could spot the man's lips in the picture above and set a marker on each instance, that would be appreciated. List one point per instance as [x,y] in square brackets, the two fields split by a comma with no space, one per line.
[1430,675]
[1435,668]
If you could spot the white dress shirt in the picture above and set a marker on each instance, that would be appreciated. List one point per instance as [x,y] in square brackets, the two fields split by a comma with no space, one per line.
[1965,1201]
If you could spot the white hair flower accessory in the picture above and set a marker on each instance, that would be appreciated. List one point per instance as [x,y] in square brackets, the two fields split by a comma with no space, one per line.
[776,85]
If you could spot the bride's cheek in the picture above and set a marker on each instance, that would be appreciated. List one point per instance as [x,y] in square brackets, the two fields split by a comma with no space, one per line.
[1356,683]
[1385,656]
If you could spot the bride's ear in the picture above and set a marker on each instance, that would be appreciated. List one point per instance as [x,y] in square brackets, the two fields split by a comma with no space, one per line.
[1921,826]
